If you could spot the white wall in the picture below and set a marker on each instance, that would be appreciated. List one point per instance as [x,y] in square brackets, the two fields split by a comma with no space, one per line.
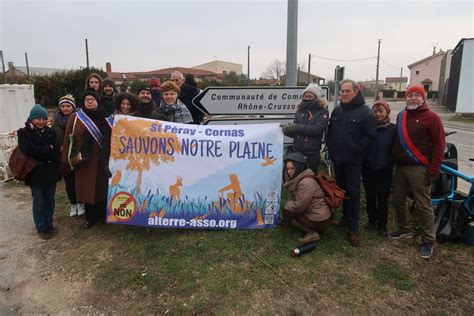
[16,102]
[465,101]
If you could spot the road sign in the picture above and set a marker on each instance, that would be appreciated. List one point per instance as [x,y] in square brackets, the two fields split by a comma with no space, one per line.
[250,120]
[251,100]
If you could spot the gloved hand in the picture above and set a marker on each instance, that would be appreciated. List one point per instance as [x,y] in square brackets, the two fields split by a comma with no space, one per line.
[289,129]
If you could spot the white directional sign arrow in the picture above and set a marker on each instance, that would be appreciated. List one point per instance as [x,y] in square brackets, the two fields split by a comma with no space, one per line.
[250,100]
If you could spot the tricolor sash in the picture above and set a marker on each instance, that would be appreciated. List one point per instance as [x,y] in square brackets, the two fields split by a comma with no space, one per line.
[91,127]
[110,120]
[406,143]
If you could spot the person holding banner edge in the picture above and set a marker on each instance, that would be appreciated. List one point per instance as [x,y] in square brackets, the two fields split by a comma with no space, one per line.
[418,152]
[86,128]
[309,125]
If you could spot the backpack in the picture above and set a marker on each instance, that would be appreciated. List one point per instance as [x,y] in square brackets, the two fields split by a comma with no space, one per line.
[334,195]
[450,221]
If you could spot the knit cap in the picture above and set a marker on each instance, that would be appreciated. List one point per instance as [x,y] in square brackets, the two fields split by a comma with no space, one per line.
[68,99]
[144,87]
[91,92]
[314,89]
[110,82]
[417,88]
[382,103]
[38,112]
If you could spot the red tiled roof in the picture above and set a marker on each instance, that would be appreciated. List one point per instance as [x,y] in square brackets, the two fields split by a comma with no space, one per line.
[160,72]
[425,59]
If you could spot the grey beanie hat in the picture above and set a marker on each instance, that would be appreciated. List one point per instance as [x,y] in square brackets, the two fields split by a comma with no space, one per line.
[314,89]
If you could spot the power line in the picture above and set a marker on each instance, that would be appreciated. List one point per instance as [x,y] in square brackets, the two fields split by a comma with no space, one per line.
[361,59]
[388,64]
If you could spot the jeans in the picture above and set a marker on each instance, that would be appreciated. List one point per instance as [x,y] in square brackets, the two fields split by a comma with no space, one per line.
[377,191]
[348,179]
[70,181]
[43,206]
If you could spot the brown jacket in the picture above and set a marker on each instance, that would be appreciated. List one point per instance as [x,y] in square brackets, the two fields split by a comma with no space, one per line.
[91,178]
[307,197]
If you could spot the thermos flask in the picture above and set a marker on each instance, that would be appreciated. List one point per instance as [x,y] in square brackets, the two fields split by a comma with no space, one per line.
[300,250]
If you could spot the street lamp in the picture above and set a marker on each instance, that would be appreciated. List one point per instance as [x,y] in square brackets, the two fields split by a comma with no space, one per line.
[309,69]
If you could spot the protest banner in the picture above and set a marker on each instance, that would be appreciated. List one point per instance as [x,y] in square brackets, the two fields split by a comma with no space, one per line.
[194,176]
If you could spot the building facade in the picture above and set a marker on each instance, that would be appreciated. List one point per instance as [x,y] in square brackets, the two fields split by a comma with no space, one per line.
[427,71]
[220,67]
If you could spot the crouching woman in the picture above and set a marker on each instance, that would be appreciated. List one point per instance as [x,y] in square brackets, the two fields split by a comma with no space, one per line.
[39,141]
[305,207]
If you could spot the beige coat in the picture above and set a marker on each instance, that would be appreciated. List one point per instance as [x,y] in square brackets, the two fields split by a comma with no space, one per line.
[307,197]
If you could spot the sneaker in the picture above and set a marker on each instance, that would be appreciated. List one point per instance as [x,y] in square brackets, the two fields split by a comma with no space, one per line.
[426,250]
[312,236]
[80,209]
[354,239]
[73,211]
[400,234]
[45,235]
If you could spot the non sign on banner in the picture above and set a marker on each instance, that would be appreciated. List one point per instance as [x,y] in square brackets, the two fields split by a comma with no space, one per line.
[194,176]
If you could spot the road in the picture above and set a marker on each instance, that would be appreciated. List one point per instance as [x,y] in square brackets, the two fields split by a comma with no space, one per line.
[463,139]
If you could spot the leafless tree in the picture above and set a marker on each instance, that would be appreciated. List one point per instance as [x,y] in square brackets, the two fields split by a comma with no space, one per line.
[275,70]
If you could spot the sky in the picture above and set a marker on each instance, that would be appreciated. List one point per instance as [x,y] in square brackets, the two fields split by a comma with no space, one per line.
[150,35]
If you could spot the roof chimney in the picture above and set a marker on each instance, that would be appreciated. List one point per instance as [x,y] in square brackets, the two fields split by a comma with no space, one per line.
[108,67]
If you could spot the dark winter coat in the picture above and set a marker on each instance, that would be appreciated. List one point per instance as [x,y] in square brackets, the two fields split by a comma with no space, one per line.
[310,127]
[186,96]
[352,129]
[148,110]
[107,103]
[379,156]
[91,176]
[59,125]
[44,147]
[426,132]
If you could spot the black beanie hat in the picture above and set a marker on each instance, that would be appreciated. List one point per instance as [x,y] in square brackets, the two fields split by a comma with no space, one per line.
[144,87]
[110,82]
[90,92]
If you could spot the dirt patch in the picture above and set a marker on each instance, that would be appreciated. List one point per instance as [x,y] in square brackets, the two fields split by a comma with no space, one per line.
[29,282]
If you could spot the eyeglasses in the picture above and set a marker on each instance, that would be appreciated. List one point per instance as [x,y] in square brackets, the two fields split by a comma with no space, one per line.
[89,99]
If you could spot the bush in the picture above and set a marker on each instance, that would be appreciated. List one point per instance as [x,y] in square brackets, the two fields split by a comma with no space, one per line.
[49,88]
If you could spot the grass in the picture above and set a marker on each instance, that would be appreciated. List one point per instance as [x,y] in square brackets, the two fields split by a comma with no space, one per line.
[466,118]
[144,270]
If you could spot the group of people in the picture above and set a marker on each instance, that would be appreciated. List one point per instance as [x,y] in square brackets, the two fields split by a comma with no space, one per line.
[77,146]
[363,143]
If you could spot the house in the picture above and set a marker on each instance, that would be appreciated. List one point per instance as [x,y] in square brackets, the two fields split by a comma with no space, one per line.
[302,77]
[125,79]
[426,71]
[396,83]
[220,67]
[370,85]
[444,77]
[460,98]
[20,72]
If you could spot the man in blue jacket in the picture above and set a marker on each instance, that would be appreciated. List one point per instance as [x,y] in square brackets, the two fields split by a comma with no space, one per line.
[352,129]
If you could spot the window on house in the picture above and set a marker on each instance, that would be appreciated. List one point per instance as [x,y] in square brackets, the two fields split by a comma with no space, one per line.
[417,72]
[124,76]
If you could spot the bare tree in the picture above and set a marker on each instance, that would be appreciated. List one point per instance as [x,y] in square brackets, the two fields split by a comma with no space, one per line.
[275,70]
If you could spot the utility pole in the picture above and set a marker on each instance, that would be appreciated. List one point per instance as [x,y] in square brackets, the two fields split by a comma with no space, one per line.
[248,65]
[87,54]
[3,68]
[27,65]
[336,85]
[377,74]
[309,69]
[401,75]
[291,43]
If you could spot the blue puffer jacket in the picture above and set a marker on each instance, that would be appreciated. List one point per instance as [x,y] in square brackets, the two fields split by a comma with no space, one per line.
[352,129]
[379,156]
[310,126]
